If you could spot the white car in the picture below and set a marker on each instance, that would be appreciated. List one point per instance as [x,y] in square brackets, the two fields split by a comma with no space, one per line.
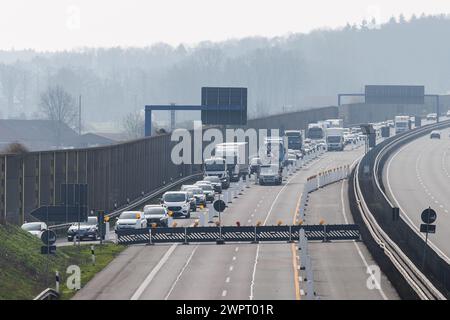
[432,116]
[448,113]
[131,220]
[35,228]
[178,203]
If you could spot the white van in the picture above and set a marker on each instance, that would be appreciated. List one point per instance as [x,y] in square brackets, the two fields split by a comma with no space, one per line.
[178,203]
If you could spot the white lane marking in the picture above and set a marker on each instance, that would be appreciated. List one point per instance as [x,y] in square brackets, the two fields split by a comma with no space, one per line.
[254,272]
[404,215]
[181,272]
[236,249]
[276,198]
[234,258]
[227,280]
[153,273]
[224,293]
[344,213]
[231,268]
[265,221]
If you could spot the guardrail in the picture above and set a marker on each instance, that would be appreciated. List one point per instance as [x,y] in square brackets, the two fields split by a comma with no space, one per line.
[48,294]
[400,244]
[138,202]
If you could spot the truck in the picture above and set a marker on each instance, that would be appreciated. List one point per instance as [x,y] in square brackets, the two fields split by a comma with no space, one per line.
[293,139]
[275,145]
[335,123]
[316,131]
[401,124]
[270,173]
[216,167]
[235,156]
[335,139]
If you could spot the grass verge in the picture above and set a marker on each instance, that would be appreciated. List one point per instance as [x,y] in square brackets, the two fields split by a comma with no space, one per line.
[25,272]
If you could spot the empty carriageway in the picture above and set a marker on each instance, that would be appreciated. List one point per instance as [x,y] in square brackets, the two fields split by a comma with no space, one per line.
[416,177]
[229,271]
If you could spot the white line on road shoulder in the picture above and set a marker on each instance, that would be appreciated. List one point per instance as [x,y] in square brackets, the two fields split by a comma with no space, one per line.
[181,272]
[344,213]
[153,273]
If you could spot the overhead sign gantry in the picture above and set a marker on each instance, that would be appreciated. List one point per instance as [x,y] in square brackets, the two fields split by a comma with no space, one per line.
[219,105]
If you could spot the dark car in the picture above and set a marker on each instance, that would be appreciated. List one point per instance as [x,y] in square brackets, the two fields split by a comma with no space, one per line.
[192,199]
[156,214]
[208,190]
[435,135]
[216,183]
[88,229]
[255,163]
[270,174]
[200,198]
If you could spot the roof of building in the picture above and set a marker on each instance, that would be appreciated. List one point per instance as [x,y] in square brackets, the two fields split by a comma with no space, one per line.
[39,135]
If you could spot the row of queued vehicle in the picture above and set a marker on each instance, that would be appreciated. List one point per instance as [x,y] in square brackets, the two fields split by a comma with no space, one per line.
[177,203]
[173,203]
[83,230]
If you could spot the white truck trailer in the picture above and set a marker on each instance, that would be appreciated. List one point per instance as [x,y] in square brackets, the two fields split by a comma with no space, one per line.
[335,139]
[401,124]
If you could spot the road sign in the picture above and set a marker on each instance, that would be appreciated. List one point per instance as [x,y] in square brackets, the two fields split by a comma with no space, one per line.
[224,105]
[60,214]
[394,94]
[428,228]
[48,237]
[219,205]
[48,249]
[428,216]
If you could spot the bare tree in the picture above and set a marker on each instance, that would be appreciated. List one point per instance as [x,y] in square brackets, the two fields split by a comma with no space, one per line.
[133,124]
[9,82]
[59,106]
[15,148]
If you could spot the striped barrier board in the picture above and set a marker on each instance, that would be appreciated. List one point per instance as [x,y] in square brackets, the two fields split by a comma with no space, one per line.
[237,234]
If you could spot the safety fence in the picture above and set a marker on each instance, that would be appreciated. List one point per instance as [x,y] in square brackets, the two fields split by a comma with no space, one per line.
[237,234]
[317,181]
[116,175]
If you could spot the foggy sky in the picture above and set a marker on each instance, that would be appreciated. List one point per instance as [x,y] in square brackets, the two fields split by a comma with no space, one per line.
[68,24]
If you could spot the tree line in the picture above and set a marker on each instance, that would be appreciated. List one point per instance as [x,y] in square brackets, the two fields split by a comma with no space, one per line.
[287,73]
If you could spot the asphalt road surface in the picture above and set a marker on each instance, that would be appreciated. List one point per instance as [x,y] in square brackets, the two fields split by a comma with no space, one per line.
[417,177]
[229,271]
[341,267]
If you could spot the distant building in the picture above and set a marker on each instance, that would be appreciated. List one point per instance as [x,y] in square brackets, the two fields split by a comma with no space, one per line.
[38,135]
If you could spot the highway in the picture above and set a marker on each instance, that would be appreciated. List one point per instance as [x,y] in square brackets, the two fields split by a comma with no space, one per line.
[417,177]
[340,268]
[229,271]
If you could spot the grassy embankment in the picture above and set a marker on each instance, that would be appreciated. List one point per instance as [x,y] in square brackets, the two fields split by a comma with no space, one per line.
[25,272]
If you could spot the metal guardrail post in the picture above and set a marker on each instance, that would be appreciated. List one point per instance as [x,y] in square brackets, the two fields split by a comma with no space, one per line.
[185,236]
[220,240]
[290,235]
[255,239]
[150,237]
[325,235]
